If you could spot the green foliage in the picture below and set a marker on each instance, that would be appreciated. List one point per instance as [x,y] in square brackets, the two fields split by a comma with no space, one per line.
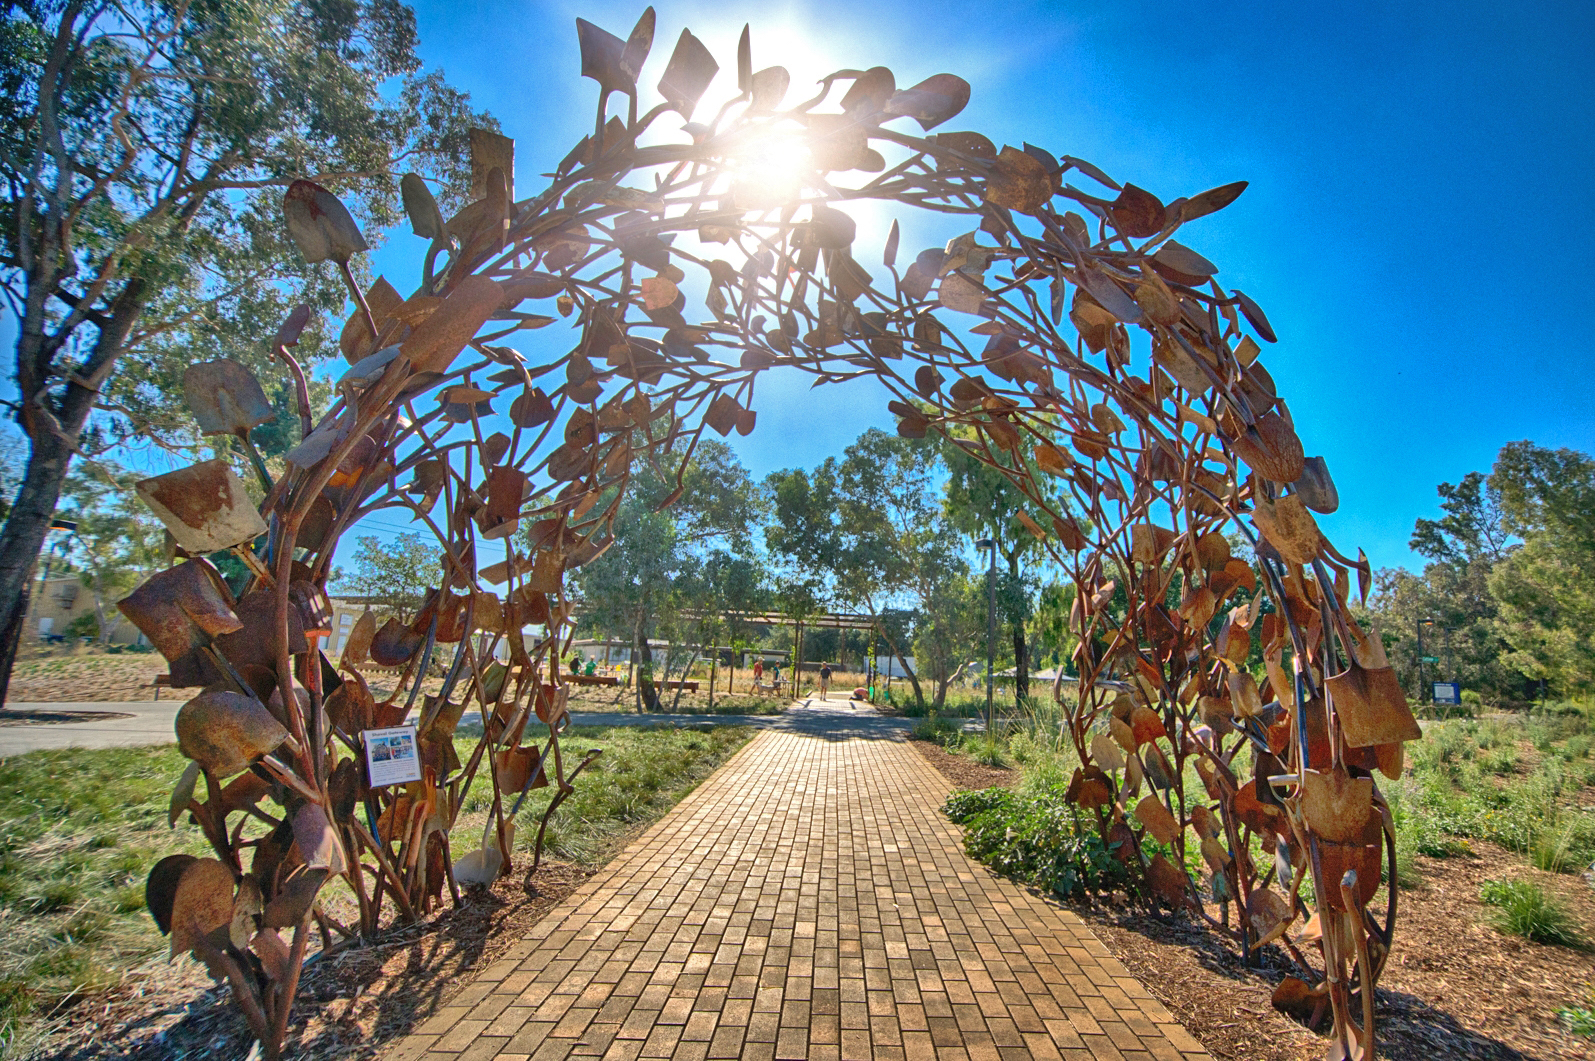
[394,575]
[1511,583]
[176,157]
[1471,780]
[85,625]
[644,772]
[79,831]
[1546,589]
[118,542]
[933,728]
[675,572]
[869,533]
[1580,1020]
[1037,839]
[1522,908]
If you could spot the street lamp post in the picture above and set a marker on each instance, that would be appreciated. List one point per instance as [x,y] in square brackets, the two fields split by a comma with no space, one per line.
[1422,689]
[990,547]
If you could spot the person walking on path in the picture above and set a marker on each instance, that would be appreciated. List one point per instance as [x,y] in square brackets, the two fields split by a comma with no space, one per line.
[758,673]
[825,680]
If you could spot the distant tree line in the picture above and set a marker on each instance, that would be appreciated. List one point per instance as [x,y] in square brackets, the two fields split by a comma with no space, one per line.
[1506,602]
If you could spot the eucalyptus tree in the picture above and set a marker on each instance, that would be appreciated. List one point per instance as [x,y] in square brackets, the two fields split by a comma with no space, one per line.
[660,565]
[983,502]
[872,526]
[143,149]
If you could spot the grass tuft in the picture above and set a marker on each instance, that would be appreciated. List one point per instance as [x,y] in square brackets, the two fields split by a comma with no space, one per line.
[1521,908]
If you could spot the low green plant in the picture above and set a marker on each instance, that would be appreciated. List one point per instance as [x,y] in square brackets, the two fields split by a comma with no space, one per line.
[933,728]
[1521,908]
[1039,840]
[1580,1020]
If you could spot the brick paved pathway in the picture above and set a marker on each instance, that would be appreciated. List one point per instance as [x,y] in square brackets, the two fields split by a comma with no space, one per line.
[807,901]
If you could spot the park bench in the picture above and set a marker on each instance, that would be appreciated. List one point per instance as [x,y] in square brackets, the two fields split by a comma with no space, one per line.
[592,679]
[690,685]
[162,681]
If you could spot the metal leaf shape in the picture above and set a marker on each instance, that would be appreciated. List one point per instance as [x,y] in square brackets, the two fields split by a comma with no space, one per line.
[202,907]
[769,89]
[604,59]
[745,60]
[1137,212]
[225,732]
[426,219]
[160,890]
[1211,200]
[932,101]
[870,91]
[1316,488]
[225,398]
[319,223]
[688,73]
[638,44]
[205,506]
[1019,182]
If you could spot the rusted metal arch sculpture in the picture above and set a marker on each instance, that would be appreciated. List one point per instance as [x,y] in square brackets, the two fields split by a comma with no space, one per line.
[687,265]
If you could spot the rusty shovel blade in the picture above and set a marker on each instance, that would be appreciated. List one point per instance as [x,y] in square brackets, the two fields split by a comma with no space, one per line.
[180,610]
[225,398]
[204,506]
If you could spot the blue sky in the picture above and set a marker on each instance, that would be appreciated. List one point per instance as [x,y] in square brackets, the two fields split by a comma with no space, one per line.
[1418,225]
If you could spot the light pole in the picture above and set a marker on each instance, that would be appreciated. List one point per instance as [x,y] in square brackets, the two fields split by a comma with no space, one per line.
[1422,690]
[990,547]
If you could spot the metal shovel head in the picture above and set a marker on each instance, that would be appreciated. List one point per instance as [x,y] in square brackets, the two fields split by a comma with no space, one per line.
[181,609]
[482,865]
[225,398]
[224,732]
[204,506]
[1372,707]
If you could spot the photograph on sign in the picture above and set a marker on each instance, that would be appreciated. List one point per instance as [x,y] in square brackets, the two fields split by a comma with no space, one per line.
[391,756]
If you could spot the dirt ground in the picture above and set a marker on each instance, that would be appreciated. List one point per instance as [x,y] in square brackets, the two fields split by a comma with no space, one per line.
[350,1005]
[87,678]
[97,677]
[1454,987]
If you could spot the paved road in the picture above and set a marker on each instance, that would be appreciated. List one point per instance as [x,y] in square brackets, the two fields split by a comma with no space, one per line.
[151,723]
[807,901]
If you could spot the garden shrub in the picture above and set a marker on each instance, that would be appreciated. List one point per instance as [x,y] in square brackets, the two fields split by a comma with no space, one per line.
[1037,839]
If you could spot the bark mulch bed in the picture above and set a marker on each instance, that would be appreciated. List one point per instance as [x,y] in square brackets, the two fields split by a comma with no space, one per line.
[963,771]
[1454,987]
[350,1005]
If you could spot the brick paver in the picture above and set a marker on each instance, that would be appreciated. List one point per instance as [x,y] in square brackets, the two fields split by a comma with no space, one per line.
[806,901]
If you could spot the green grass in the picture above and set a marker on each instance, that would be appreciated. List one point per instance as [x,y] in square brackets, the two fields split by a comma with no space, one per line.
[1521,908]
[644,771]
[1519,781]
[80,829]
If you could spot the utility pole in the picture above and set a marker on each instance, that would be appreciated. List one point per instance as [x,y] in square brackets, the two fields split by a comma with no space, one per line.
[990,546]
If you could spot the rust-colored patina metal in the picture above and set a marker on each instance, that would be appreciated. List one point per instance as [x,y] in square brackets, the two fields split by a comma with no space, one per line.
[1063,328]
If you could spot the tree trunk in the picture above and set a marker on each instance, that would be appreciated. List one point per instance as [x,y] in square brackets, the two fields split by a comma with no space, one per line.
[1021,658]
[53,426]
[21,540]
[646,689]
[919,696]
[1021,665]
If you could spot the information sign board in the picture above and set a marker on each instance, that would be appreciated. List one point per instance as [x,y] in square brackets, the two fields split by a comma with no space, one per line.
[391,756]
